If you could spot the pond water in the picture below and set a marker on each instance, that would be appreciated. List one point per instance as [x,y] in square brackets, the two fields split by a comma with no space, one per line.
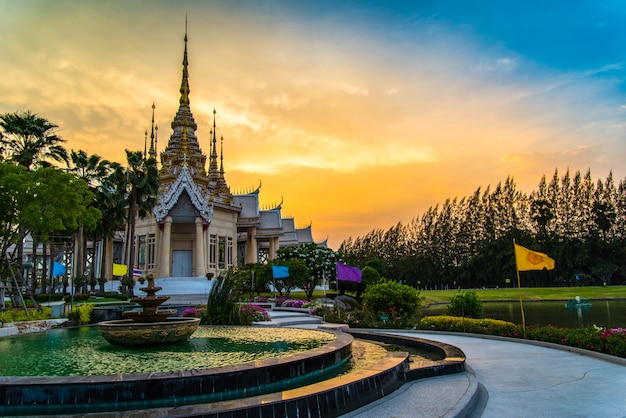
[603,313]
[82,351]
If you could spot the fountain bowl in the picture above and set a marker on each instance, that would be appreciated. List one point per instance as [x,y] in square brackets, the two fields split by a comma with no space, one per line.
[128,332]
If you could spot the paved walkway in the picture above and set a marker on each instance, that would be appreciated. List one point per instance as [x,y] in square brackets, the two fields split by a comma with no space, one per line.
[521,380]
[507,378]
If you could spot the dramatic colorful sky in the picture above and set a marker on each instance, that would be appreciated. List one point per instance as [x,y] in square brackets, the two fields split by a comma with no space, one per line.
[360,114]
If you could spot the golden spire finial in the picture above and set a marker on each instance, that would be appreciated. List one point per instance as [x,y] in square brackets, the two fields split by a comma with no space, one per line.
[222,156]
[184,87]
[152,151]
[213,170]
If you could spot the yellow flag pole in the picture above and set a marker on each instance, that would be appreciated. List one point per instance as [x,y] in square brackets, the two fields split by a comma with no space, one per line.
[519,287]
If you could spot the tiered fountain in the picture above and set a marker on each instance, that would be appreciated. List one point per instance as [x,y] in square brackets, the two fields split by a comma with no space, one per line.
[149,326]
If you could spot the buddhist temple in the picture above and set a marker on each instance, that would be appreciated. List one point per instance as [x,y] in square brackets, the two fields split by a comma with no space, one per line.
[198,226]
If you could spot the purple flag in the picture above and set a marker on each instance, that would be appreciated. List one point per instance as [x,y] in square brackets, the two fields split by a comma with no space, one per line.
[348,273]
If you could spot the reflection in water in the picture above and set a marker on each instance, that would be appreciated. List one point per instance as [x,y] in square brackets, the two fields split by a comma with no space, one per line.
[603,313]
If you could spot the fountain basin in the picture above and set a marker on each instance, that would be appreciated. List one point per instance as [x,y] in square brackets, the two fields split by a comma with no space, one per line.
[37,395]
[127,332]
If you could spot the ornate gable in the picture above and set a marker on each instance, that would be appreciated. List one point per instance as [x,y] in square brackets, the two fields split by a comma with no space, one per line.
[170,193]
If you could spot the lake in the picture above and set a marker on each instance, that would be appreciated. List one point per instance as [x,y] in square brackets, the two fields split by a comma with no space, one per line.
[603,313]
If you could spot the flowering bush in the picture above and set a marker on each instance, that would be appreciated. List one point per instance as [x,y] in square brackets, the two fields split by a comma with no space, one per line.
[365,319]
[255,312]
[292,303]
[313,307]
[193,312]
[603,340]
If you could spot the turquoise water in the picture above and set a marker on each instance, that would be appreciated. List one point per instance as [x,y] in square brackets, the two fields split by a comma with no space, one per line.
[603,313]
[82,351]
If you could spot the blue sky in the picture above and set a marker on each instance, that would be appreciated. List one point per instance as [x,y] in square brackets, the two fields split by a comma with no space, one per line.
[358,114]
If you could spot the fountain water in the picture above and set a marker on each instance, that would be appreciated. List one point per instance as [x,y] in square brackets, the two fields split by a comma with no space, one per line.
[149,326]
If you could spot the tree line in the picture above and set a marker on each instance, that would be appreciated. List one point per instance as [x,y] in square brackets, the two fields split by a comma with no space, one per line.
[60,198]
[468,242]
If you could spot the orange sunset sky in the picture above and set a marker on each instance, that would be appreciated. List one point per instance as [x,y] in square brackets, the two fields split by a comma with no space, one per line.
[358,114]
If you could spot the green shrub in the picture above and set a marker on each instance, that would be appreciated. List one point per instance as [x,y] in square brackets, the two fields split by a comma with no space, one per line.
[77,297]
[475,326]
[81,313]
[388,298]
[222,308]
[465,304]
[45,297]
[603,340]
[17,315]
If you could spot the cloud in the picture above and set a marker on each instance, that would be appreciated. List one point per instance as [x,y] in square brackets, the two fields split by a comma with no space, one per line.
[360,119]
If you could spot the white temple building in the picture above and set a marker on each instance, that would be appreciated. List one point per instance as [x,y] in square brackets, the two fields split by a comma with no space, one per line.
[198,226]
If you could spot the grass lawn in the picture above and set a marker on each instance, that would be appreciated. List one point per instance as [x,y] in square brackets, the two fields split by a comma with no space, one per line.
[506,294]
[535,293]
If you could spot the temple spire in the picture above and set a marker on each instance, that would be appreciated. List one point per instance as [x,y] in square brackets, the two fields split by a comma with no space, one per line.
[184,86]
[222,187]
[152,151]
[222,156]
[183,147]
[213,171]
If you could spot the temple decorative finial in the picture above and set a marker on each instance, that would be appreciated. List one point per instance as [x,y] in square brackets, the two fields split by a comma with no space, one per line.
[213,170]
[152,151]
[184,87]
[222,156]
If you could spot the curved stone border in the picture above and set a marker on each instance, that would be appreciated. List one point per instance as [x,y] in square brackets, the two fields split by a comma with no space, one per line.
[453,359]
[336,396]
[10,329]
[84,394]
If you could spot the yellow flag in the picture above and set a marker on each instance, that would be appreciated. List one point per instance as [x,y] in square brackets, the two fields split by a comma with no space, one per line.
[526,259]
[119,269]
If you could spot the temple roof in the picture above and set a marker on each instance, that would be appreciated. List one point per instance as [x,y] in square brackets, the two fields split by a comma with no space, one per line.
[183,147]
[171,192]
[183,163]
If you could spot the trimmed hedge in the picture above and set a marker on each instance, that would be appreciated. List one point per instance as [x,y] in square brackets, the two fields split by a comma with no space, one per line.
[603,340]
[18,315]
[45,297]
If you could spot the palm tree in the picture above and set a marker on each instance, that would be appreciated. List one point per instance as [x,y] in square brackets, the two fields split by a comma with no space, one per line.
[111,200]
[29,139]
[141,185]
[92,169]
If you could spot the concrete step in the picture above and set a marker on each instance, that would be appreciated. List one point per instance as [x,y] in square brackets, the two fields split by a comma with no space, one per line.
[288,319]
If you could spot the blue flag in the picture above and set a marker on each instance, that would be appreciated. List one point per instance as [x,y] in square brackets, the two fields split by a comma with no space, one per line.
[280,272]
[58,269]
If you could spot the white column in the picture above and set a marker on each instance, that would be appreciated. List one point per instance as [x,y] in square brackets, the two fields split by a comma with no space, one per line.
[272,253]
[108,263]
[251,246]
[166,260]
[199,248]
